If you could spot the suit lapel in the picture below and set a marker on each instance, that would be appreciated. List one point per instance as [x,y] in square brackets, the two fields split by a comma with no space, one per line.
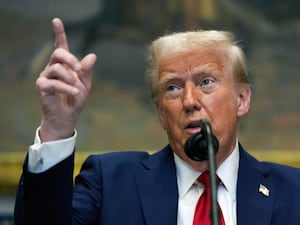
[157,185]
[255,192]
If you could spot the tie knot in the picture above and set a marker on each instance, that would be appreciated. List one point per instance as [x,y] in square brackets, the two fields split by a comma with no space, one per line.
[205,179]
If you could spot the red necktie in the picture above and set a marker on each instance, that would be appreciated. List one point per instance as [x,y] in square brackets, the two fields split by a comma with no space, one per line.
[202,212]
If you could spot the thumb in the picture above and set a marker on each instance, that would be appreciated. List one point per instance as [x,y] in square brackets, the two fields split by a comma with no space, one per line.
[87,65]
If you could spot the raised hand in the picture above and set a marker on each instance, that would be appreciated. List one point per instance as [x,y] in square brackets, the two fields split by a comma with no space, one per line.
[63,86]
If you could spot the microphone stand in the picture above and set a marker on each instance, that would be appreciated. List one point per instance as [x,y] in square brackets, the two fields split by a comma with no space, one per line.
[212,171]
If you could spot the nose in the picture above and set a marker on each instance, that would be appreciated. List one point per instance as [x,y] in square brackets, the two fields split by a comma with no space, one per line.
[191,98]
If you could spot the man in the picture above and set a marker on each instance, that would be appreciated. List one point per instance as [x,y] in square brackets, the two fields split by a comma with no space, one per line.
[192,76]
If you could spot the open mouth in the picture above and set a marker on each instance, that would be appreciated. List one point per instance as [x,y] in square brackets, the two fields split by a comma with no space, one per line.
[193,127]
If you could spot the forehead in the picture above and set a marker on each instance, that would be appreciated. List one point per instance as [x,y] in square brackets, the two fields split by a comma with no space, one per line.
[181,62]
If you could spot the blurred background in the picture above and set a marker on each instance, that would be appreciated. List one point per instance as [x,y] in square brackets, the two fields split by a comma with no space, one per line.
[119,114]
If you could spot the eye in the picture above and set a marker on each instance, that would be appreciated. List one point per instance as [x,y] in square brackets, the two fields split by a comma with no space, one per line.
[172,90]
[172,87]
[206,82]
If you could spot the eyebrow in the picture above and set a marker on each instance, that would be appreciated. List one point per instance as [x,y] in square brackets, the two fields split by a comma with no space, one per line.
[201,70]
[169,76]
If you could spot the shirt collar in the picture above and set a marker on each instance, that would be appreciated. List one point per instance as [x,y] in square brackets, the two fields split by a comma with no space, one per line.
[186,175]
[227,171]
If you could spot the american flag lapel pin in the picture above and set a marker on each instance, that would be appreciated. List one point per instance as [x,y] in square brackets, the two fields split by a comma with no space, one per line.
[264,190]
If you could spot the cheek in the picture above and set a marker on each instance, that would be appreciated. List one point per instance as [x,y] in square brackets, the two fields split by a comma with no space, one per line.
[164,113]
[223,110]
[170,114]
[225,102]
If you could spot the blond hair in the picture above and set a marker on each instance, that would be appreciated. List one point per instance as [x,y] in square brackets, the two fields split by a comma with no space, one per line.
[172,44]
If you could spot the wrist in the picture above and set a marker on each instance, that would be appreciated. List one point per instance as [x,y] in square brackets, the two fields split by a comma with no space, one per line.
[50,132]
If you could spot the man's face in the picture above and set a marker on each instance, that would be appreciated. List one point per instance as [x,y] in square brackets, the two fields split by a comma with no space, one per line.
[194,86]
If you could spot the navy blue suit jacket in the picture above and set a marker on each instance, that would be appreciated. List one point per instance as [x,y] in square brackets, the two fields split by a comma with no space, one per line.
[135,188]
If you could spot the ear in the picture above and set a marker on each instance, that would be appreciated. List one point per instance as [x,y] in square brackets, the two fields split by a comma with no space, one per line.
[244,99]
[160,112]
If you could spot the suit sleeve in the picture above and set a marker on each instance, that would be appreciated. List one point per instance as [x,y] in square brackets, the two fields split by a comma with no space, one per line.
[45,198]
[49,198]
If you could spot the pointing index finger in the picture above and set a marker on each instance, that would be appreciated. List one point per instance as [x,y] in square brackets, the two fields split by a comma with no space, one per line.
[60,35]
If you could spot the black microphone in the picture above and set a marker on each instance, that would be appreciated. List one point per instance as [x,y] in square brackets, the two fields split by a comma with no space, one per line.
[196,146]
[203,146]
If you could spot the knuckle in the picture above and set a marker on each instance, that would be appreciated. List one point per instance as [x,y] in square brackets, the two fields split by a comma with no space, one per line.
[58,54]
[59,51]
[40,83]
[55,68]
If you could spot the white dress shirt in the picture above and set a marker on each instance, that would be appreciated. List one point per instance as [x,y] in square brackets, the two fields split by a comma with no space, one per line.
[43,156]
[189,189]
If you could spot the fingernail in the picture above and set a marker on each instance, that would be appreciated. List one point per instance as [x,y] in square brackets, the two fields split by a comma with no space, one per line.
[75,91]
[77,67]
